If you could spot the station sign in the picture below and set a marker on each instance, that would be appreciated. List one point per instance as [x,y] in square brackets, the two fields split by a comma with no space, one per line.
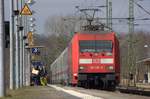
[35,50]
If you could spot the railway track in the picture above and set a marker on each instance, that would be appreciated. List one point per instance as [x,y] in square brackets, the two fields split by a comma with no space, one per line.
[128,89]
[134,90]
[117,94]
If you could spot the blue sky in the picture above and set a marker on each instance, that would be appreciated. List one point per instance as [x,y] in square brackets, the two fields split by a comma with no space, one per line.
[48,8]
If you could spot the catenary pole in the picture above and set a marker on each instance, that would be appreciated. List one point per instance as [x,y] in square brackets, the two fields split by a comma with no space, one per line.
[110,14]
[12,70]
[2,83]
[107,11]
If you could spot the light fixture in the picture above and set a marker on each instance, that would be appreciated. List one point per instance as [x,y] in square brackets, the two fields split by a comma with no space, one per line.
[145,45]
[30,2]
[32,25]
[32,19]
[32,30]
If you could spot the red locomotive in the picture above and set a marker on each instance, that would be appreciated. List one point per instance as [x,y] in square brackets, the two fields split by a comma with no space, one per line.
[91,59]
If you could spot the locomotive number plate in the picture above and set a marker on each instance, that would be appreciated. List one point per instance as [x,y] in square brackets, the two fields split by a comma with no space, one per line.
[96,61]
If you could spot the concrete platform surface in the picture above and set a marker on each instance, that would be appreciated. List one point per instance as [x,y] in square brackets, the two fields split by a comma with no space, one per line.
[38,92]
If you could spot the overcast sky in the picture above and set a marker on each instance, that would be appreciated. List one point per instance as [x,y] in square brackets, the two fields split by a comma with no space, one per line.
[48,8]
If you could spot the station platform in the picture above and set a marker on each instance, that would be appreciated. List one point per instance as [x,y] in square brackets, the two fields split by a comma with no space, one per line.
[37,92]
[145,86]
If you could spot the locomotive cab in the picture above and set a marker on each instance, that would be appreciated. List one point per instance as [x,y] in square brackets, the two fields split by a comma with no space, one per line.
[97,67]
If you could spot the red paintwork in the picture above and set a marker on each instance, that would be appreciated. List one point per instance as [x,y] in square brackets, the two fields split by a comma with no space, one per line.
[76,55]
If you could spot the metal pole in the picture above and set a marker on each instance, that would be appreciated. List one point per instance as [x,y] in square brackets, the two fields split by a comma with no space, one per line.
[107,12]
[26,53]
[131,16]
[17,59]
[23,53]
[131,31]
[17,48]
[21,60]
[27,57]
[28,69]
[21,49]
[2,81]
[110,15]
[12,45]
[23,68]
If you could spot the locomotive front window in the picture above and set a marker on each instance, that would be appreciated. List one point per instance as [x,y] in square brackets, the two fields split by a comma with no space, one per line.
[95,46]
[103,46]
[87,46]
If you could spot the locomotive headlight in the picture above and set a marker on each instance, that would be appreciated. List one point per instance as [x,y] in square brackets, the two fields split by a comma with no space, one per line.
[75,74]
[81,67]
[110,67]
[109,54]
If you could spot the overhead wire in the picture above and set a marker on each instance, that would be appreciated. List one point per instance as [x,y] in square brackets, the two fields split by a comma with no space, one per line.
[125,18]
[142,8]
[139,13]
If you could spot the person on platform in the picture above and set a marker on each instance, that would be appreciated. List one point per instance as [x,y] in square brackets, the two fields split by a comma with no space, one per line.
[35,76]
[43,76]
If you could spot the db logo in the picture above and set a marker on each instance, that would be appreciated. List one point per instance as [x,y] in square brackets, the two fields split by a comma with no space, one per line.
[96,60]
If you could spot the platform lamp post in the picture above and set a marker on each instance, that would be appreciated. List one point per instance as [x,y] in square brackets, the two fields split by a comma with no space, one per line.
[148,68]
[12,53]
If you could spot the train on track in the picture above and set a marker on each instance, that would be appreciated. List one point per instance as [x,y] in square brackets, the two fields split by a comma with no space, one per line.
[90,60]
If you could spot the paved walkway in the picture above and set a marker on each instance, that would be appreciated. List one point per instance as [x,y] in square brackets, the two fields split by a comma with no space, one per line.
[38,92]
[75,93]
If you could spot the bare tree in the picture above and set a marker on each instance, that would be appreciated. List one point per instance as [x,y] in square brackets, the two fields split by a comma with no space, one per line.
[61,25]
[129,56]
